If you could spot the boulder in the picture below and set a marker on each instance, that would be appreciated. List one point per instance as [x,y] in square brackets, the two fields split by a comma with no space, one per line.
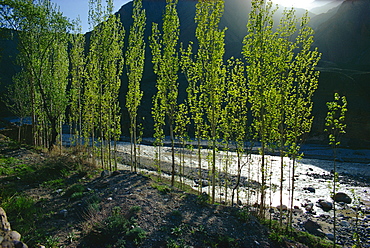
[9,238]
[342,197]
[105,173]
[325,205]
[313,228]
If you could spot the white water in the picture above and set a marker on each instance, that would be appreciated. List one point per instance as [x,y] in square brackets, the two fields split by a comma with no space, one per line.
[251,169]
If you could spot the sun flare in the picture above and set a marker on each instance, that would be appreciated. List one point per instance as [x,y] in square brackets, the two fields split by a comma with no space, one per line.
[304,4]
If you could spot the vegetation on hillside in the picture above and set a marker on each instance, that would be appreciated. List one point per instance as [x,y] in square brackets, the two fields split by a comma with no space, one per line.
[273,84]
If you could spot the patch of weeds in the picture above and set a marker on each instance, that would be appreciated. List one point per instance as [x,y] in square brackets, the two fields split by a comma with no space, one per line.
[243,215]
[77,195]
[135,209]
[54,184]
[162,188]
[20,207]
[203,199]
[136,235]
[115,231]
[52,242]
[222,241]
[71,237]
[11,166]
[179,230]
[172,244]
[279,235]
[176,213]
[77,188]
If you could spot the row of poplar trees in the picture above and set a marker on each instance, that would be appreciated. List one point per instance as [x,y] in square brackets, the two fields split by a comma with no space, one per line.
[273,82]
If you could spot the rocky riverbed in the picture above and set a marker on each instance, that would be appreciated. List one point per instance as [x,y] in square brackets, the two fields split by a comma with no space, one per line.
[313,185]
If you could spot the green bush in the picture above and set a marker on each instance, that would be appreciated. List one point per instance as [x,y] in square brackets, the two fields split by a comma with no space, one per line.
[77,188]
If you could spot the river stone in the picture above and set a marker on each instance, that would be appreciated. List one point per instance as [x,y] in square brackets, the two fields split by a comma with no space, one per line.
[283,207]
[15,236]
[7,244]
[310,189]
[116,173]
[19,244]
[342,197]
[105,173]
[4,225]
[313,228]
[330,236]
[325,205]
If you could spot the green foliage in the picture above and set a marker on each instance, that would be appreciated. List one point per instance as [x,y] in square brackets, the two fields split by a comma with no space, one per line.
[75,190]
[335,118]
[102,84]
[19,207]
[116,230]
[10,165]
[135,209]
[203,199]
[243,215]
[165,60]
[162,188]
[135,57]
[136,235]
[55,183]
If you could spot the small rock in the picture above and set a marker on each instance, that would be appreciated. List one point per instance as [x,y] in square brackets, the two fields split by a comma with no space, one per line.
[7,244]
[105,173]
[116,173]
[342,197]
[19,244]
[63,213]
[330,236]
[310,189]
[109,199]
[58,191]
[344,223]
[325,205]
[14,235]
[313,228]
[283,207]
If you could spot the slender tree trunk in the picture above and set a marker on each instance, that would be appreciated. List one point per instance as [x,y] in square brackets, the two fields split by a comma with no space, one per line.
[199,168]
[173,154]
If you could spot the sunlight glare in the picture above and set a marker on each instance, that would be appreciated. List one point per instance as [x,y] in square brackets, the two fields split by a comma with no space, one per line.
[304,4]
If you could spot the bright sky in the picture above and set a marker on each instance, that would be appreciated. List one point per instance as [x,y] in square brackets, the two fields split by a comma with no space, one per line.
[304,4]
[74,8]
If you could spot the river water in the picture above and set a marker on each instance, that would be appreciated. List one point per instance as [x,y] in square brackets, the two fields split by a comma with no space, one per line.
[309,173]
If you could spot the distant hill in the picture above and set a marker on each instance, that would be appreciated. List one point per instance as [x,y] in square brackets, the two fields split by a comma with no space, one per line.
[342,35]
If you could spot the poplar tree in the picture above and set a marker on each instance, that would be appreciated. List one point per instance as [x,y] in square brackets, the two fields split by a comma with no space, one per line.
[164,47]
[206,75]
[235,111]
[304,84]
[259,51]
[335,127]
[77,75]
[105,65]
[42,45]
[135,57]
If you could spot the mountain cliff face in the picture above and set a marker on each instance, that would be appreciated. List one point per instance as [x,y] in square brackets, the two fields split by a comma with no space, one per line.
[342,36]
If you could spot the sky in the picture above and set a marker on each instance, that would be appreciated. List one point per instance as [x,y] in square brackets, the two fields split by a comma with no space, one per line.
[74,8]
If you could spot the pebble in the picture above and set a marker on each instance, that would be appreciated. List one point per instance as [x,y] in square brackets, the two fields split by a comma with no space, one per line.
[63,213]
